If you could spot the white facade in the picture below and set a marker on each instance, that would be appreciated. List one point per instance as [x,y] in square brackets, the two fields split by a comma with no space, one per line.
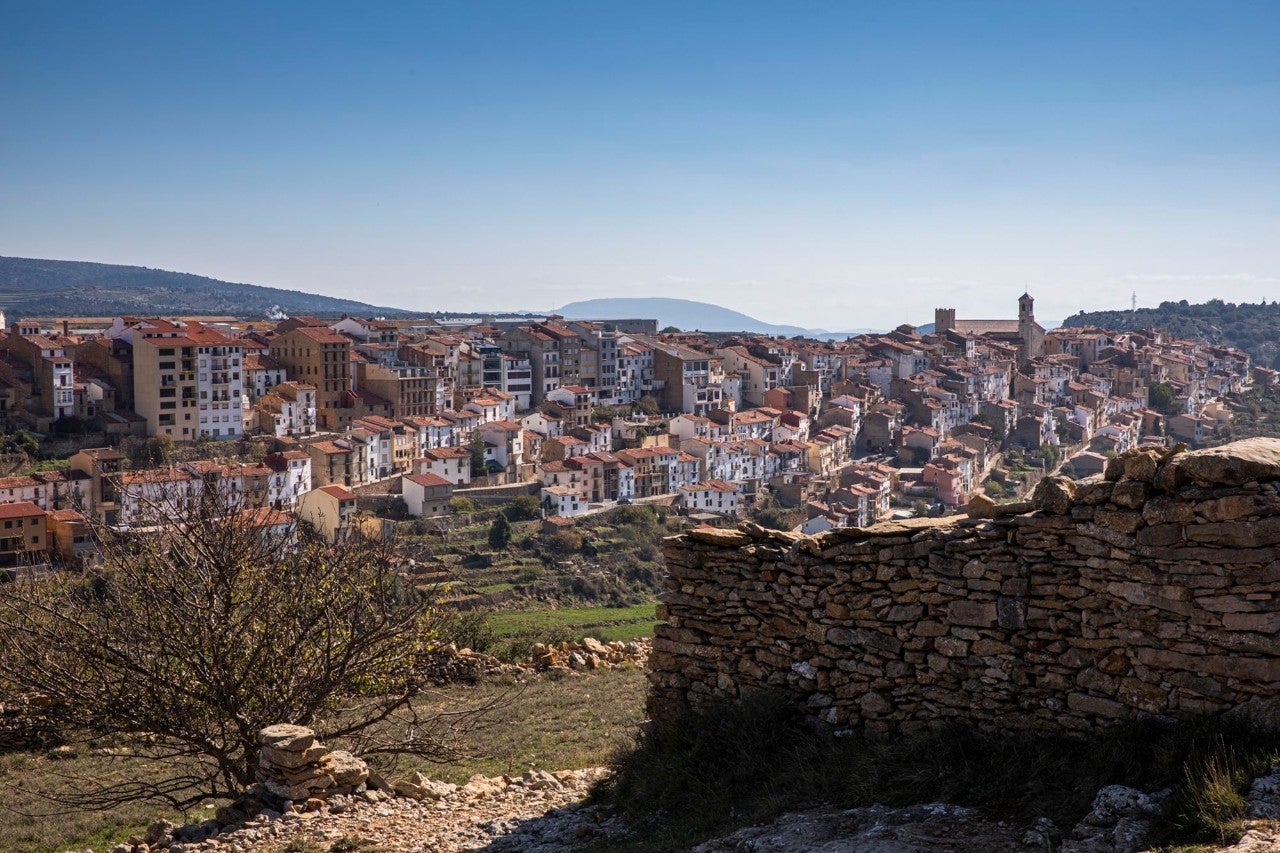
[219,390]
[710,496]
[563,501]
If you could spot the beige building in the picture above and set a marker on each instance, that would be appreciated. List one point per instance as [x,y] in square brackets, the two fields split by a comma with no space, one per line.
[186,378]
[318,356]
[328,509]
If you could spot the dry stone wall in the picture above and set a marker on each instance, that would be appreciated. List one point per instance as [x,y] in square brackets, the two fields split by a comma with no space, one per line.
[1152,591]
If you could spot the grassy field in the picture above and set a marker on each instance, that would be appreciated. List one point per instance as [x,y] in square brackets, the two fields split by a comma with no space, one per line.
[578,619]
[554,724]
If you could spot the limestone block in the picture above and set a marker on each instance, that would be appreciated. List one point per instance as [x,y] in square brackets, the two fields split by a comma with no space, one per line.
[1231,464]
[287,738]
[981,506]
[1054,495]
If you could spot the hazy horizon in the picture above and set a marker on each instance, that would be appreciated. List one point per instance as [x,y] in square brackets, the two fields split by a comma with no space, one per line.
[833,165]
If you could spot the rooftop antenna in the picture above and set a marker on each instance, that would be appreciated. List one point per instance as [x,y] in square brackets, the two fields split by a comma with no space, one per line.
[1133,301]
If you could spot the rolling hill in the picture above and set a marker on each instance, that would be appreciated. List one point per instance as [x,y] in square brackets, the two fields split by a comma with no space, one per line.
[687,315]
[1252,328]
[35,287]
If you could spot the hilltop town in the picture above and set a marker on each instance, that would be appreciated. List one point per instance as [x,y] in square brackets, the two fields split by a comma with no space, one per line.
[303,416]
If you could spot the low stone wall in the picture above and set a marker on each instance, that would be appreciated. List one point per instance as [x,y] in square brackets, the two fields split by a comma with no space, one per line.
[1151,592]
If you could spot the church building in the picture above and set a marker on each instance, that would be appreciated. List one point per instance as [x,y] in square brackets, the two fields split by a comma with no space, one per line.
[1025,332]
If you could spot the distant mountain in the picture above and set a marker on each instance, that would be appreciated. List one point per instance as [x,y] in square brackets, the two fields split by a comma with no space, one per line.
[37,288]
[687,315]
[1252,328]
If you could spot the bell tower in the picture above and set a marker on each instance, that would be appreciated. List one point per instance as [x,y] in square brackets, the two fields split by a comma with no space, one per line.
[1028,329]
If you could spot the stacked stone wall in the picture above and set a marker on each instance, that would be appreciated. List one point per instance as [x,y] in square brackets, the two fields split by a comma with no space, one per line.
[1153,591]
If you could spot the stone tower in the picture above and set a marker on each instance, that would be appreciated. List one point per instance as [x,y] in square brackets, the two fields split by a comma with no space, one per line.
[1028,329]
[943,319]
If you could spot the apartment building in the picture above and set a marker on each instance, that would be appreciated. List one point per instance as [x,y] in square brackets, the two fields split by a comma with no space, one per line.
[49,372]
[412,390]
[289,409]
[318,356]
[691,382]
[186,377]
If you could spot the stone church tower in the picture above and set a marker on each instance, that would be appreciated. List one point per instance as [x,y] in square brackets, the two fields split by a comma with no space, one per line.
[1028,329]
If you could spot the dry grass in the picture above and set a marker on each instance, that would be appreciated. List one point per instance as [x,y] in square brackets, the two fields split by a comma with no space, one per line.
[34,822]
[548,723]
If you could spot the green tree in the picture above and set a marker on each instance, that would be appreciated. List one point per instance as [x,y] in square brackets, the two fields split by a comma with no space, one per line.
[648,405]
[670,330]
[1160,397]
[476,447]
[523,508]
[500,533]
[1051,455]
[154,452]
[22,442]
[461,505]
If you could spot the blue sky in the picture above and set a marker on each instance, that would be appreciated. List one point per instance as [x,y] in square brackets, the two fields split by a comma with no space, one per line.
[823,164]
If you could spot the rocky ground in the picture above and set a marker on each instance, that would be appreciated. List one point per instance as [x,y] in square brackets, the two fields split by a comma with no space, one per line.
[541,812]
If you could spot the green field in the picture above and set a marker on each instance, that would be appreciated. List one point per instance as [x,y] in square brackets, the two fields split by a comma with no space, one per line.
[509,623]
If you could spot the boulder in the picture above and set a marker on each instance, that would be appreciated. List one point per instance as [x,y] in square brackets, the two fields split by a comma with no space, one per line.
[1054,495]
[1231,464]
[419,787]
[344,767]
[981,506]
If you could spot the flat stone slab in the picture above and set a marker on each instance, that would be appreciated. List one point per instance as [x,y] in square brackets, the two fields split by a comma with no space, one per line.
[286,737]
[1229,465]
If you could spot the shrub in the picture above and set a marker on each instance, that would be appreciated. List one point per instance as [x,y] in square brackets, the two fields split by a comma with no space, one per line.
[523,508]
[563,542]
[500,533]
[197,634]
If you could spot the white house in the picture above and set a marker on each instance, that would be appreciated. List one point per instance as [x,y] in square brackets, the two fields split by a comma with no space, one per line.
[564,501]
[451,463]
[710,496]
[291,478]
[426,494]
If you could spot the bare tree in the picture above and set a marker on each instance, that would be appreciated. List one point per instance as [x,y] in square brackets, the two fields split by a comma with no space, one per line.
[208,621]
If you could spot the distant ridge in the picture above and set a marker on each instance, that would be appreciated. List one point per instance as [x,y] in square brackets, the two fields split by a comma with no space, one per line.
[688,315]
[35,287]
[1254,328]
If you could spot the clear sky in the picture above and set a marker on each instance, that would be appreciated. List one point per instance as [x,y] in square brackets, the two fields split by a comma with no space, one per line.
[835,164]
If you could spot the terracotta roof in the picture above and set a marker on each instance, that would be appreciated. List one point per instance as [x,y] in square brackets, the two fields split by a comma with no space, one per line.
[340,492]
[438,453]
[154,475]
[329,447]
[322,335]
[428,480]
[18,482]
[20,509]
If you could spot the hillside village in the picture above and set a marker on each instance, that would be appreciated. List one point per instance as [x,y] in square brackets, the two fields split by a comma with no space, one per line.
[312,414]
